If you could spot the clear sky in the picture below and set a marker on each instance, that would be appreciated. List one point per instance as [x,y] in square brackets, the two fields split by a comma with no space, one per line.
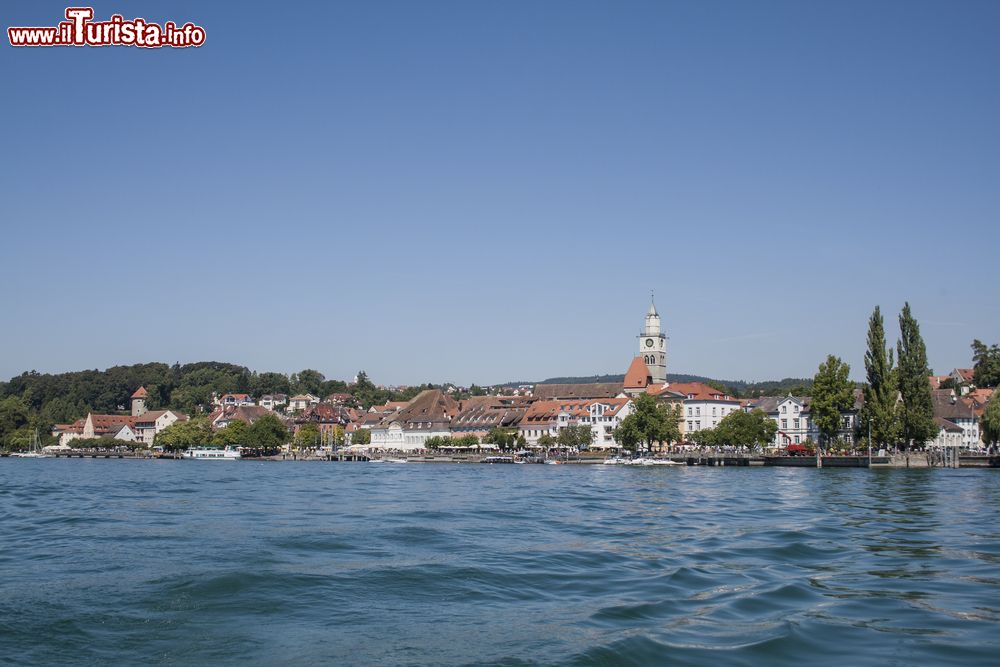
[488,191]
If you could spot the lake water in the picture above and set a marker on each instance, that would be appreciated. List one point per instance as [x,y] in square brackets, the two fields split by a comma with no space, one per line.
[187,562]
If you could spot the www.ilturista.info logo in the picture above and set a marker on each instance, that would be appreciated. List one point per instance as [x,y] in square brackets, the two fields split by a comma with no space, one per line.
[81,30]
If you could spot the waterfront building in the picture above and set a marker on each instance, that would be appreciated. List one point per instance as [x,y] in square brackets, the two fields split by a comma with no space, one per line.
[481,414]
[604,416]
[703,406]
[547,417]
[949,434]
[962,412]
[793,417]
[429,414]
[118,427]
[151,422]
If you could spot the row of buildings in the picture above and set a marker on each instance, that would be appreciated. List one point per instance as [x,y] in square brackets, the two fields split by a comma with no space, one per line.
[140,426]
[544,409]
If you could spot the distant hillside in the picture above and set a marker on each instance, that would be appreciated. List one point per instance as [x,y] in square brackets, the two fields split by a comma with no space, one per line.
[740,388]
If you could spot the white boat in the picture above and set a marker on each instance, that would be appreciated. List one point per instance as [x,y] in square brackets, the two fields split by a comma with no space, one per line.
[209,454]
[393,460]
[34,450]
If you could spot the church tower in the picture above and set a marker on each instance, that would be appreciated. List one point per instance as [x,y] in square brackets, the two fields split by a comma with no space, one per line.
[653,346]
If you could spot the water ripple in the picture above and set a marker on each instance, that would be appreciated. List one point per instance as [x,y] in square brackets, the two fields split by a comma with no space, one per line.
[252,563]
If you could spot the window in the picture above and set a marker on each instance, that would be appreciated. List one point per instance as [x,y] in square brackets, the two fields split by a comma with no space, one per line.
[784,424]
[713,410]
[697,411]
[784,409]
[795,423]
[797,440]
[689,411]
[690,426]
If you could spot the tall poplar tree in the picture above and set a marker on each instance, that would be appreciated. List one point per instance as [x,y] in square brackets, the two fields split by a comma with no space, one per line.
[990,422]
[832,395]
[918,409]
[880,410]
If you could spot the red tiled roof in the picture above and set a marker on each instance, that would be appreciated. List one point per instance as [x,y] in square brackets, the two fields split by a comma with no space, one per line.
[936,380]
[637,376]
[700,391]
[140,393]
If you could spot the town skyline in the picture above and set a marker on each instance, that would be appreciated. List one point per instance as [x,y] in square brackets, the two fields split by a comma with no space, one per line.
[857,368]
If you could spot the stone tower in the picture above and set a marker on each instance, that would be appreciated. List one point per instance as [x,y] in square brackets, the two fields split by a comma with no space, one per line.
[653,346]
[139,401]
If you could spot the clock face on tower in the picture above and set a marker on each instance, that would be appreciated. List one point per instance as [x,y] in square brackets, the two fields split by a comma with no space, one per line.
[649,342]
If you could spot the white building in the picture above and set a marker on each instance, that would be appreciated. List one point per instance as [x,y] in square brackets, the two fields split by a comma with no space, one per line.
[793,417]
[704,406]
[301,402]
[149,423]
[604,416]
[232,400]
[428,415]
[273,401]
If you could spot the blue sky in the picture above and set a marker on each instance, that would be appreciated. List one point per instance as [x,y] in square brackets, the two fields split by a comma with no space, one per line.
[488,191]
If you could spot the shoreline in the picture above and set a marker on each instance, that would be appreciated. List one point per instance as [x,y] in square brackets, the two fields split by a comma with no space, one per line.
[911,460]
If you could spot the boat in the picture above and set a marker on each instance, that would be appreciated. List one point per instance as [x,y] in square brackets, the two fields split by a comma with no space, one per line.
[230,453]
[34,450]
[498,459]
[390,459]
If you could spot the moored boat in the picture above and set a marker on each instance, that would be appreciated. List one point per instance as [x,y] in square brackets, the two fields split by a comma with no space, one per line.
[212,454]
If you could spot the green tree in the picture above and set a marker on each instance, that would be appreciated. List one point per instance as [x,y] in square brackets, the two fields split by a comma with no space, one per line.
[751,429]
[832,395]
[362,436]
[235,434]
[918,409]
[705,437]
[307,436]
[184,434]
[880,410]
[504,438]
[990,421]
[546,440]
[627,435]
[14,415]
[466,440]
[986,368]
[576,436]
[268,432]
[307,381]
[335,436]
[651,421]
